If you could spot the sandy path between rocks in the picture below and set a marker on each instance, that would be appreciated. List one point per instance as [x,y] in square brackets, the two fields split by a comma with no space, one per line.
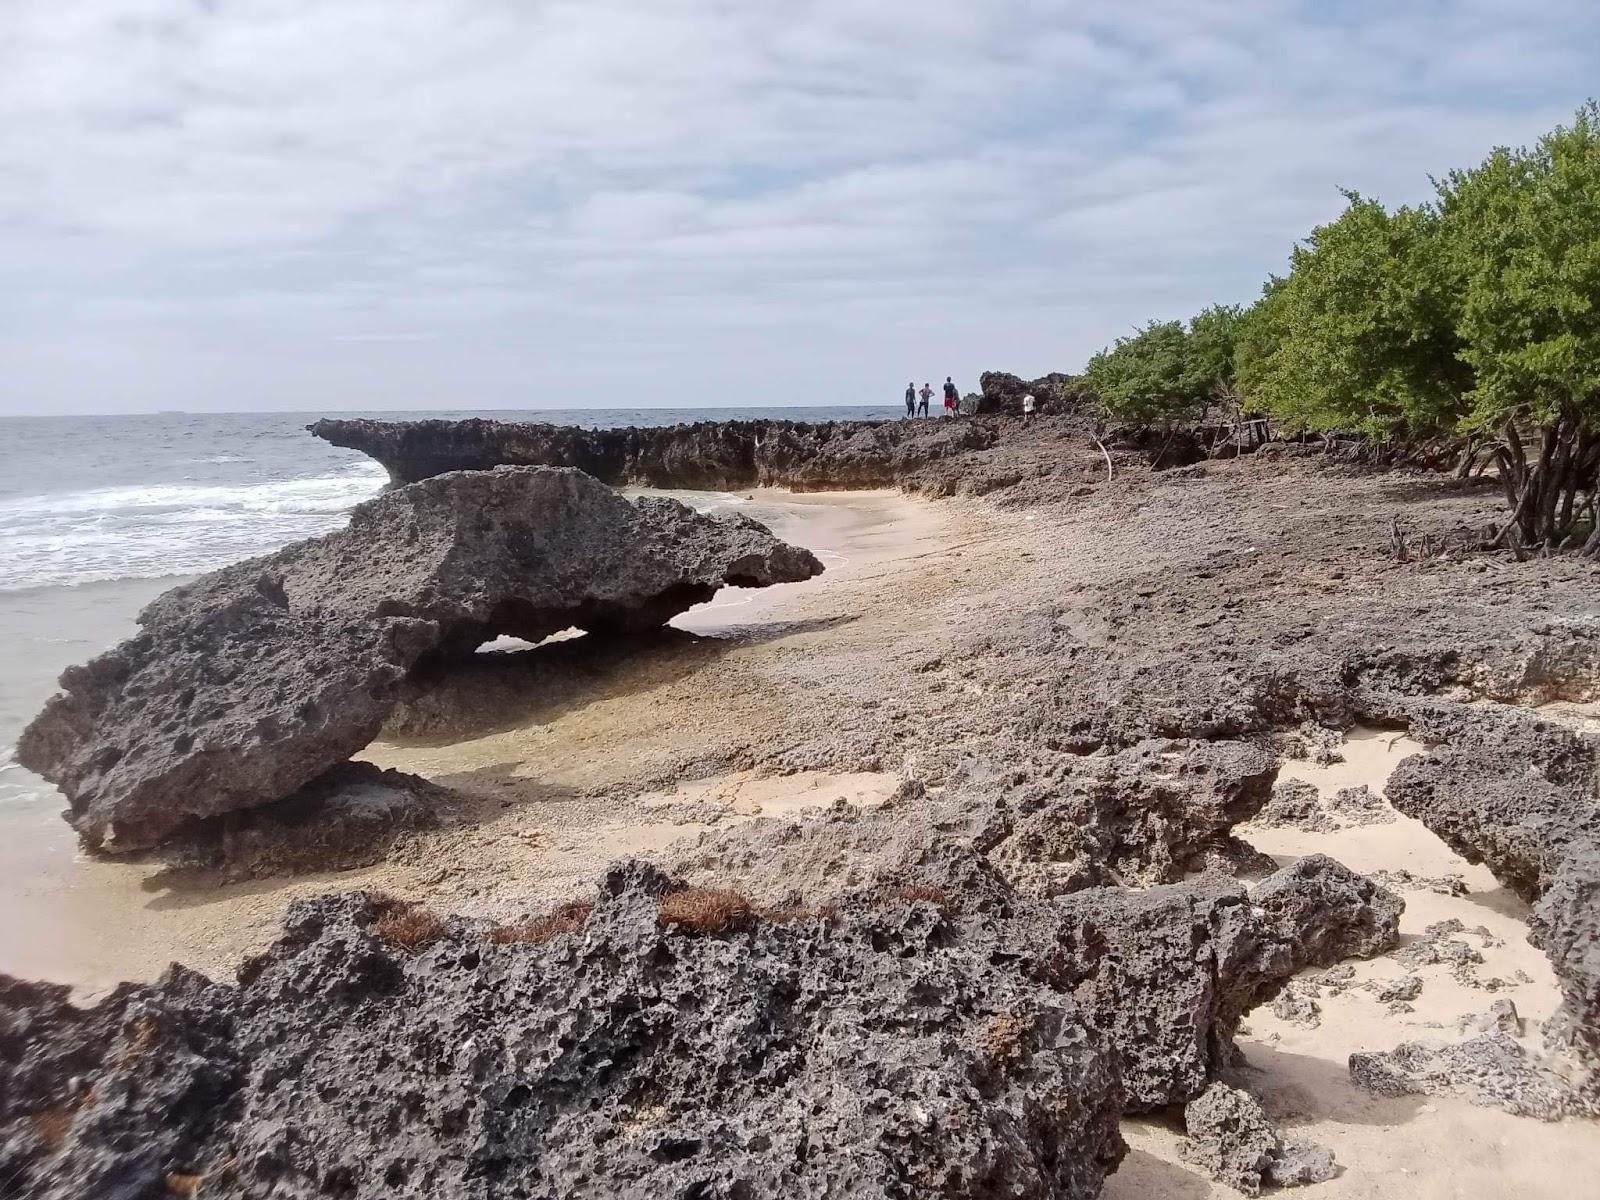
[632,756]
[1415,1148]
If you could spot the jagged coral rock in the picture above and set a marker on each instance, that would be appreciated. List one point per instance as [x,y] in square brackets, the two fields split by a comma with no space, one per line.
[1231,1139]
[871,1054]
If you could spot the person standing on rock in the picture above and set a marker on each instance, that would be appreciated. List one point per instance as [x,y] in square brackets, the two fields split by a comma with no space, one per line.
[926,394]
[911,399]
[1027,407]
[950,397]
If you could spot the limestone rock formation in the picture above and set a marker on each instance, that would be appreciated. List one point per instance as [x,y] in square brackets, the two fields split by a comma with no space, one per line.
[254,680]
[1522,796]
[1502,788]
[1492,1069]
[1231,1139]
[1144,814]
[374,1052]
[1168,973]
[925,1039]
[707,454]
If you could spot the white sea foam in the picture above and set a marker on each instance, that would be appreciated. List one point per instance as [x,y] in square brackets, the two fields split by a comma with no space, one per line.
[167,529]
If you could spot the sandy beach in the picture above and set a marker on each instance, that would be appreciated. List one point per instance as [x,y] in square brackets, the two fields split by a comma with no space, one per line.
[919,655]
[562,763]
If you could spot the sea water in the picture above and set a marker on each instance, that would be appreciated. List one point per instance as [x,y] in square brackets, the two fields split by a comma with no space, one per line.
[99,515]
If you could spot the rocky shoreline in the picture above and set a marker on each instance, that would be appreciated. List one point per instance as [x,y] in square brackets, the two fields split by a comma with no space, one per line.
[1054,920]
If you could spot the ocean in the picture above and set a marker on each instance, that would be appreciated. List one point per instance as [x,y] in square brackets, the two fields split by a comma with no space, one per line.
[99,515]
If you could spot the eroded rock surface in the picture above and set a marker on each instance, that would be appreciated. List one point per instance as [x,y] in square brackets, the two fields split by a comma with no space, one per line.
[1166,972]
[1231,1139]
[1522,796]
[353,816]
[371,1053]
[912,1038]
[252,681]
[1492,1069]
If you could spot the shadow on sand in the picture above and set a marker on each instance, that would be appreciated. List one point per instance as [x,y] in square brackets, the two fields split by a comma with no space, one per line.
[498,691]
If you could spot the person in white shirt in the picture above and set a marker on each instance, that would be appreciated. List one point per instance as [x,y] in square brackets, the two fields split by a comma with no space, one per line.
[1027,406]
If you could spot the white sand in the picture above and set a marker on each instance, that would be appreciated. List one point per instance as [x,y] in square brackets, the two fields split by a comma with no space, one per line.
[1415,1148]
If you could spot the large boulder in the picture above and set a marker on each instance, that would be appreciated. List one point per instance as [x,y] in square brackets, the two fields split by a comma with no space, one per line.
[658,1044]
[254,680]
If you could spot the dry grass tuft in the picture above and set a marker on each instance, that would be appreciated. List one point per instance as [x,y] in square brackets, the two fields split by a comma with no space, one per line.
[912,893]
[139,1042]
[405,924]
[179,1184]
[705,910]
[51,1126]
[568,918]
[1002,1040]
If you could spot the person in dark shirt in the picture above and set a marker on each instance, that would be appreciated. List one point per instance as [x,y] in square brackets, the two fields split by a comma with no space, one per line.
[950,397]
[911,399]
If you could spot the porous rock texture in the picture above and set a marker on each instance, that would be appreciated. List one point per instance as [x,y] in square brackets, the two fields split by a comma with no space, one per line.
[873,1053]
[1492,1069]
[1231,1139]
[352,816]
[1166,972]
[1144,814]
[252,681]
[905,1041]
[1522,796]
[1147,814]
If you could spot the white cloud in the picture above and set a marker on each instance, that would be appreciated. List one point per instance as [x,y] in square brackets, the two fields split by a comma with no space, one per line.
[294,204]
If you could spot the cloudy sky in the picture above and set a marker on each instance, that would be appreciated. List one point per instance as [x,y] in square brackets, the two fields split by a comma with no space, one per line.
[336,204]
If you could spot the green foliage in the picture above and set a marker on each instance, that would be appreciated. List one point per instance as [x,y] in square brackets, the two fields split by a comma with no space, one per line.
[1523,238]
[1360,335]
[1480,312]
[1167,372]
[1142,378]
[1213,334]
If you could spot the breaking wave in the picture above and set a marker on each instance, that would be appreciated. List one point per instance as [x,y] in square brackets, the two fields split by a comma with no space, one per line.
[167,529]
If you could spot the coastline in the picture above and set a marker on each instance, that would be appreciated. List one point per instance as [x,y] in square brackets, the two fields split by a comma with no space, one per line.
[967,646]
[545,809]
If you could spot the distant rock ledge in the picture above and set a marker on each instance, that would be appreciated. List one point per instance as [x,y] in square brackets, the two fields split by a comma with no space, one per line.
[708,454]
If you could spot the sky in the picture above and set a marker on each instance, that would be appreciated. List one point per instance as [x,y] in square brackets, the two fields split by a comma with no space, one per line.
[389,204]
